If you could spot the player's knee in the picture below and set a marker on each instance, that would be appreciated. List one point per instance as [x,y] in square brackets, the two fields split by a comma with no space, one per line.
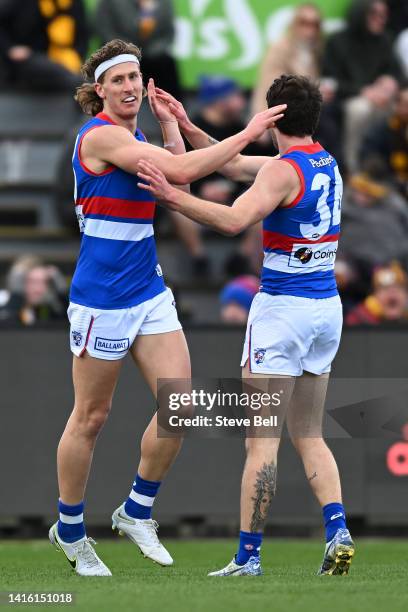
[90,418]
[306,444]
[265,447]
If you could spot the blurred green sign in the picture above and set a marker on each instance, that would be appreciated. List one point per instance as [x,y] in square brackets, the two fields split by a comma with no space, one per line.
[229,37]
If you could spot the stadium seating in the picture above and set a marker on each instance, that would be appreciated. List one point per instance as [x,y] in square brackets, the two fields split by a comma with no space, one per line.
[31,136]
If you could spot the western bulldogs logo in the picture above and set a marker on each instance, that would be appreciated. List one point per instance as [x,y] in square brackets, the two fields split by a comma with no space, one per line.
[77,338]
[259,355]
[304,255]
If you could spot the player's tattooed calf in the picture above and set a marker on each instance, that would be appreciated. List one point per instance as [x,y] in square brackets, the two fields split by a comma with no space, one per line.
[265,488]
[212,140]
[313,476]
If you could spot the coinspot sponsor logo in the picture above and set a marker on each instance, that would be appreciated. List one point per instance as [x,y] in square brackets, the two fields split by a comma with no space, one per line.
[110,345]
[320,254]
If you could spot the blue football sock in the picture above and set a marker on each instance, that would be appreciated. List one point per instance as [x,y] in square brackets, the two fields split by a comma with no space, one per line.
[334,518]
[141,497]
[249,546]
[71,522]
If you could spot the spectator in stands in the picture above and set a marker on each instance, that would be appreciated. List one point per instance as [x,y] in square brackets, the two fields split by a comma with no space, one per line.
[236,299]
[42,43]
[374,226]
[387,303]
[221,114]
[222,105]
[149,24]
[351,290]
[36,292]
[365,69]
[387,141]
[297,52]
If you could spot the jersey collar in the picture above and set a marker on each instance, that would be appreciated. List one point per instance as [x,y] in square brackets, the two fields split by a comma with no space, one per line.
[316,147]
[105,117]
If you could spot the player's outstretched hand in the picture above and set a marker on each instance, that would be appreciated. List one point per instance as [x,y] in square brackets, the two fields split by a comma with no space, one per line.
[160,107]
[264,120]
[175,107]
[156,183]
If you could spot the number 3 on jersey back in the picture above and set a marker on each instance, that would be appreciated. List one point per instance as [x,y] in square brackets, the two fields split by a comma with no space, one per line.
[329,215]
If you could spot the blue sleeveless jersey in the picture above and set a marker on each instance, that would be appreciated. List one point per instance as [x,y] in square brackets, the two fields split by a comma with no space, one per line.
[117,265]
[300,240]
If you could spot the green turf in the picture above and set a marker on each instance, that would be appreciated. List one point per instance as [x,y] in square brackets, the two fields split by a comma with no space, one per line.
[377,581]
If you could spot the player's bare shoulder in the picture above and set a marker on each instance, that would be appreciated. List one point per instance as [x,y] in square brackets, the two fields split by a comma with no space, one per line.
[280,178]
[107,145]
[106,137]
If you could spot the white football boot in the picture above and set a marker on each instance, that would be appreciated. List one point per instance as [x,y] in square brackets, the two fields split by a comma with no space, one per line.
[143,532]
[251,568]
[80,554]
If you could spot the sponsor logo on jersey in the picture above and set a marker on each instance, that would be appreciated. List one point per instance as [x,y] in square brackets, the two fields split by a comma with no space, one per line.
[259,355]
[110,345]
[319,254]
[323,161]
[304,255]
[77,338]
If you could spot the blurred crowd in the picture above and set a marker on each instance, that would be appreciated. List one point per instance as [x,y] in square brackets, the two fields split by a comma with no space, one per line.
[363,74]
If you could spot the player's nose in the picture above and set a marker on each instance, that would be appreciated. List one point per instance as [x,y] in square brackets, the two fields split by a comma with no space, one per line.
[128,85]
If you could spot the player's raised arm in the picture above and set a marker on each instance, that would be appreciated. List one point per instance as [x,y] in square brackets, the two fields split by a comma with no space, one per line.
[172,138]
[242,168]
[276,183]
[116,145]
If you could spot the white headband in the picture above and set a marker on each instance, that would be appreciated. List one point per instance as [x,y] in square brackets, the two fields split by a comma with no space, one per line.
[119,59]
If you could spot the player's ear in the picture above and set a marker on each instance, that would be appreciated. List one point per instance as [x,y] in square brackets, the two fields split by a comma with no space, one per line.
[144,92]
[99,90]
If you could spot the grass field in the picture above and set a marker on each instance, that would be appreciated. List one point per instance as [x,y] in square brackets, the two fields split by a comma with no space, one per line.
[378,579]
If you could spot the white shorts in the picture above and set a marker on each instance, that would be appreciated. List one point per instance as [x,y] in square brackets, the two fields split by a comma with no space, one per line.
[109,334]
[288,335]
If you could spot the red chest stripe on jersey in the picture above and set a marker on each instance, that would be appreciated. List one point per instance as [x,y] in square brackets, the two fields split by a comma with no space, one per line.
[115,207]
[273,240]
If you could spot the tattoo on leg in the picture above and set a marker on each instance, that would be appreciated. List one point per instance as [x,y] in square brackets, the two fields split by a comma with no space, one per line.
[212,140]
[265,488]
[313,476]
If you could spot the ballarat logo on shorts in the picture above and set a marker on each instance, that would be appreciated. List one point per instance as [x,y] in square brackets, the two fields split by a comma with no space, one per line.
[109,345]
[259,355]
[77,338]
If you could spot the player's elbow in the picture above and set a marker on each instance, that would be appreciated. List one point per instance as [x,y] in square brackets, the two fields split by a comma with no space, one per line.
[183,175]
[235,227]
[233,170]
[177,174]
[182,178]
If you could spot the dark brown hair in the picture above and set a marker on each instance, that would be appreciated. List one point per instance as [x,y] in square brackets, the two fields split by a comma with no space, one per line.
[304,102]
[86,95]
